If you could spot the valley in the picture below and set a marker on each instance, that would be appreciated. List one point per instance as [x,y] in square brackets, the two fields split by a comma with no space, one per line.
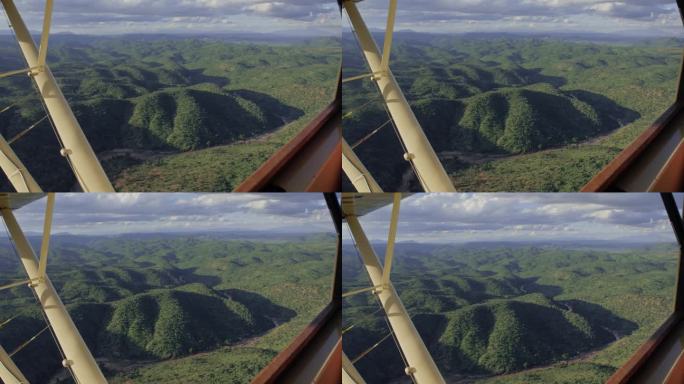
[513,112]
[211,109]
[515,313]
[172,308]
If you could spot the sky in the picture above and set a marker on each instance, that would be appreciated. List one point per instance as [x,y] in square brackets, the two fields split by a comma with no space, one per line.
[104,214]
[628,17]
[460,218]
[185,16]
[436,218]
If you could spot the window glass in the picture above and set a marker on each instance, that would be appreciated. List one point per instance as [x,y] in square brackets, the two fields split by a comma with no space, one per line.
[517,288]
[526,96]
[195,95]
[174,288]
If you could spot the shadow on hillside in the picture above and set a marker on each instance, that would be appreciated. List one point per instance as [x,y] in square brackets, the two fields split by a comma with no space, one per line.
[530,285]
[613,112]
[189,275]
[615,326]
[258,304]
[430,326]
[271,104]
[198,76]
[535,76]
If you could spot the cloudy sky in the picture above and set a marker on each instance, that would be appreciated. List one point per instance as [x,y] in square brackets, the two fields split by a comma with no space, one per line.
[191,16]
[94,214]
[525,217]
[634,17]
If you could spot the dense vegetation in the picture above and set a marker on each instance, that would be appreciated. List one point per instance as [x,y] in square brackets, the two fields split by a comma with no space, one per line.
[506,313]
[156,107]
[172,308]
[513,113]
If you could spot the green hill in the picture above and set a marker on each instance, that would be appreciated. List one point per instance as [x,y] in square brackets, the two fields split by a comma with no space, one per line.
[191,119]
[171,323]
[512,113]
[512,335]
[518,120]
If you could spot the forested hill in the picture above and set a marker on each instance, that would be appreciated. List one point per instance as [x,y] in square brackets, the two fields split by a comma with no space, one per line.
[515,313]
[157,103]
[508,112]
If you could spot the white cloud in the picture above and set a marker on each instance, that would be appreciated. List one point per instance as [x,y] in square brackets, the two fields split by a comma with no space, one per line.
[260,204]
[198,16]
[511,217]
[657,17]
[94,213]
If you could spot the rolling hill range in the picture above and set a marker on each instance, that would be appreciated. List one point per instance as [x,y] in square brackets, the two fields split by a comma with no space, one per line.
[172,308]
[513,113]
[214,107]
[507,313]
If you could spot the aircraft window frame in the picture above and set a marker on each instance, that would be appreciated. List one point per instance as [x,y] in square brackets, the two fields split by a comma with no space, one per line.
[603,180]
[272,372]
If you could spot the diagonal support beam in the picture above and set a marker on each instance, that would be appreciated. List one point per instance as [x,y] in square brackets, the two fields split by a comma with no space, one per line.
[14,285]
[675,218]
[421,366]
[355,292]
[389,34]
[391,237]
[419,151]
[16,172]
[680,82]
[9,372]
[350,375]
[336,216]
[45,244]
[19,72]
[47,21]
[678,228]
[357,173]
[360,77]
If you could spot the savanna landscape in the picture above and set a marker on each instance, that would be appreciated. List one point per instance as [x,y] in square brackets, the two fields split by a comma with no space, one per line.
[512,112]
[171,308]
[171,112]
[514,313]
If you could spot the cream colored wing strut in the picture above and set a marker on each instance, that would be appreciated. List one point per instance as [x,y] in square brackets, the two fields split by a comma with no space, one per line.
[76,147]
[349,373]
[16,172]
[9,373]
[421,366]
[357,173]
[420,153]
